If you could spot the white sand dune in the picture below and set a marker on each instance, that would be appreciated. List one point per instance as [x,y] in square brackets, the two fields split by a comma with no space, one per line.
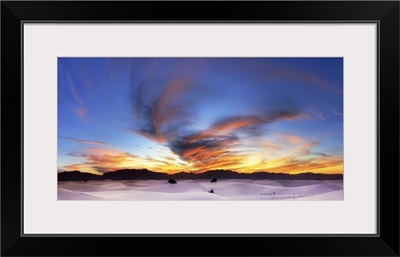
[64,194]
[232,189]
[334,195]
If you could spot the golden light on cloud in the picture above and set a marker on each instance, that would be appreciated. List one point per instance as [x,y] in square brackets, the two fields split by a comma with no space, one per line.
[281,154]
[100,160]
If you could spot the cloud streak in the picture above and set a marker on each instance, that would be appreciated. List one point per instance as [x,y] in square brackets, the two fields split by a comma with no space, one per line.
[250,124]
[74,79]
[105,158]
[81,110]
[85,141]
[332,164]
[307,78]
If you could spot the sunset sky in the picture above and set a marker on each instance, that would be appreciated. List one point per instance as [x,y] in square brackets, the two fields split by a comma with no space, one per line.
[196,114]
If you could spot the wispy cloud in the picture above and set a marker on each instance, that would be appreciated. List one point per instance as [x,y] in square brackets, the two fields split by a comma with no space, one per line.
[159,119]
[332,164]
[292,154]
[336,109]
[217,152]
[250,124]
[302,76]
[100,157]
[307,78]
[80,107]
[337,112]
[291,139]
[81,112]
[266,145]
[85,141]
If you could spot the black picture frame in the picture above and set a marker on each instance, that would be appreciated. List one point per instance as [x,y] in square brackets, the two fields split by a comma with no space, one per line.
[383,13]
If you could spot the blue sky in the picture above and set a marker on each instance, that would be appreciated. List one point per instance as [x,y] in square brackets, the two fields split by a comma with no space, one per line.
[195,114]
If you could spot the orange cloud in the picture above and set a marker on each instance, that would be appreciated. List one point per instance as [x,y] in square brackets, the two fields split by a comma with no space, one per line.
[291,139]
[268,145]
[81,111]
[304,149]
[244,122]
[99,160]
[220,152]
[227,126]
[331,164]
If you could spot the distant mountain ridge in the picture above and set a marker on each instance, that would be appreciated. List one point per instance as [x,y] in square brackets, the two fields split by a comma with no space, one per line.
[77,175]
[135,174]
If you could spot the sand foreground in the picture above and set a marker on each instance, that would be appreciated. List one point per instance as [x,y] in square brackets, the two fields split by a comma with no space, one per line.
[231,189]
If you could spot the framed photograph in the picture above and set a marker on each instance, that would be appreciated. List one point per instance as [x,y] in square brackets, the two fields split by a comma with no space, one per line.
[237,128]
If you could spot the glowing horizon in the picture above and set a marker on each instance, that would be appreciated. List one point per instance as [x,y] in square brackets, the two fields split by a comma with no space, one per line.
[170,115]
